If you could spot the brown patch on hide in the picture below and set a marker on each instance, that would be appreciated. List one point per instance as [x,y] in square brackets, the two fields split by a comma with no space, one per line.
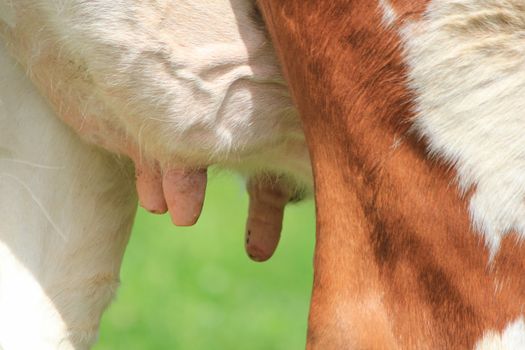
[397,265]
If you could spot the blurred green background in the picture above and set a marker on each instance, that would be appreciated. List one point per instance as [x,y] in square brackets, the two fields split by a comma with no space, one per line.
[195,288]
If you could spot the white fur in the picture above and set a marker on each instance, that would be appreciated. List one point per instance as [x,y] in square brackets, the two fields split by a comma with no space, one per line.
[66,211]
[512,338]
[467,68]
[389,14]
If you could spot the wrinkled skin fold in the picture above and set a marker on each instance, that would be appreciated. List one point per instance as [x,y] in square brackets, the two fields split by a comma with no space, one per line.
[154,82]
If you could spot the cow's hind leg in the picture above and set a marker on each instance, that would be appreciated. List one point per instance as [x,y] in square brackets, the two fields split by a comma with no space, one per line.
[66,210]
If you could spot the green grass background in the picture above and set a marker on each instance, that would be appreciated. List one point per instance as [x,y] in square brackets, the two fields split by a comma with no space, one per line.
[195,288]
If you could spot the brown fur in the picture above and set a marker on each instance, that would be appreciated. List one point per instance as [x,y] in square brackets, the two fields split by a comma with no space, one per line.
[397,265]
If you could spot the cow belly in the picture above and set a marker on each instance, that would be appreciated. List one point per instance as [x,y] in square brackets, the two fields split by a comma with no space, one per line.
[66,211]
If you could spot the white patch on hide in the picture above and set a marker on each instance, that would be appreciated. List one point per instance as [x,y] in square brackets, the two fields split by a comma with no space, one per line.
[512,338]
[389,14]
[467,67]
[7,12]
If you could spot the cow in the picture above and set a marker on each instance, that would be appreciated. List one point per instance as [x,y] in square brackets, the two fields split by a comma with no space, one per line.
[413,115]
[102,102]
